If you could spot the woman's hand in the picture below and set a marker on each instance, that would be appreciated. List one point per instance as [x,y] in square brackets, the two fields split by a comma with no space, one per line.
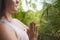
[32,31]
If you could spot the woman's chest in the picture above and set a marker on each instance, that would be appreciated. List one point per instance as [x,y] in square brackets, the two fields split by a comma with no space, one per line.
[19,25]
[21,31]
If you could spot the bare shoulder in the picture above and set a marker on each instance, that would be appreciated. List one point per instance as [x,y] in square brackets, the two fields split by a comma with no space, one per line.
[6,32]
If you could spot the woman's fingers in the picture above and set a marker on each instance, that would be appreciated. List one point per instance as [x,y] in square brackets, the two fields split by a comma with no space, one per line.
[32,26]
[33,30]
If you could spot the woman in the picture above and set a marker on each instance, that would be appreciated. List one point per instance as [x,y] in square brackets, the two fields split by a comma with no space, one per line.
[11,28]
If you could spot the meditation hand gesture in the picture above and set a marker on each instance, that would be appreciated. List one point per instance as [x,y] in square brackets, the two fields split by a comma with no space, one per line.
[33,31]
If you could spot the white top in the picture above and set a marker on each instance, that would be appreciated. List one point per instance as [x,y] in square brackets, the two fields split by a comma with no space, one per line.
[22,35]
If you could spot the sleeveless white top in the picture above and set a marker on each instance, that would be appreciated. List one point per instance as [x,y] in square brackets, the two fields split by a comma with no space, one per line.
[22,35]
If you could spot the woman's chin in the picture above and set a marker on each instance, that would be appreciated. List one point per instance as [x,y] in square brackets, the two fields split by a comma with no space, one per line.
[15,11]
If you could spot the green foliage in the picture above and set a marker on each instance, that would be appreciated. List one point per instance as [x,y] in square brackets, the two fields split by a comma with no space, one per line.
[50,23]
[47,20]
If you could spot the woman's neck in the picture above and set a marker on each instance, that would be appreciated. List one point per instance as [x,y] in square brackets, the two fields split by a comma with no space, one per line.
[7,17]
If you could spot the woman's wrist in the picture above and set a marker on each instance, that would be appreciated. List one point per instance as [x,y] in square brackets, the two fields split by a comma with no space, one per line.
[34,39]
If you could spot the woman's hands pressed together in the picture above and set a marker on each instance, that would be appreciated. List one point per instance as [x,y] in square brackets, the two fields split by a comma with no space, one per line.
[32,32]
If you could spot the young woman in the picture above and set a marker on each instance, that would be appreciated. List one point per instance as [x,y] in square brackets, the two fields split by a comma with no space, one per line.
[11,28]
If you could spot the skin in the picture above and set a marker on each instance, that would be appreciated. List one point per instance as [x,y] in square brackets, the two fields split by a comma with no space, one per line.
[6,31]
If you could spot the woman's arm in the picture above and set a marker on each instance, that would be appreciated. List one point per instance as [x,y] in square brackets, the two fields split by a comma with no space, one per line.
[6,33]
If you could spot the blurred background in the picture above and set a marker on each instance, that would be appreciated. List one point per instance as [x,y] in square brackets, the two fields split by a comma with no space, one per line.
[46,15]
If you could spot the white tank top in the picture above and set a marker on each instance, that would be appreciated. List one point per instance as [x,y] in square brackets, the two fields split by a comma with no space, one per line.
[22,35]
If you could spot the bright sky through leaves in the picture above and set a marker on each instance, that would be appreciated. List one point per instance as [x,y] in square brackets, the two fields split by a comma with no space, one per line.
[38,4]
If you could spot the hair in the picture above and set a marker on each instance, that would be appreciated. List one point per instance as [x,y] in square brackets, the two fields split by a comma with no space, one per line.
[2,8]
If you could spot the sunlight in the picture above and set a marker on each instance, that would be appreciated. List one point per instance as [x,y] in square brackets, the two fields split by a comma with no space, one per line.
[50,1]
[39,4]
[26,7]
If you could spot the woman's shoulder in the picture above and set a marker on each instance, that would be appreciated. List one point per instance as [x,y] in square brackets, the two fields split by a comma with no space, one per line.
[6,32]
[4,27]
